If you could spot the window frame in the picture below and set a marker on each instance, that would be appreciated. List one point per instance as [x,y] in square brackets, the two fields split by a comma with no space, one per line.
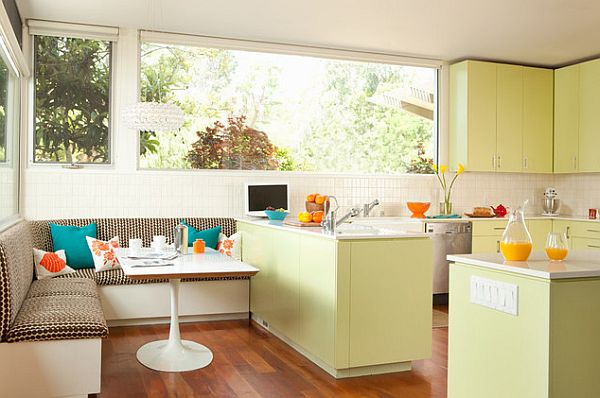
[76,31]
[440,146]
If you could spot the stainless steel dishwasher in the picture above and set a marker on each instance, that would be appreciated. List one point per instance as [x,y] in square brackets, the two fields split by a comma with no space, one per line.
[448,238]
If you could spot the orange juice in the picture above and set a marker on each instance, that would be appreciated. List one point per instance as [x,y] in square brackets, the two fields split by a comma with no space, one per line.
[199,246]
[556,253]
[515,251]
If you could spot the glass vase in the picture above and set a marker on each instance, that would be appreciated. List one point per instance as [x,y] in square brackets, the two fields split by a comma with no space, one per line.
[445,208]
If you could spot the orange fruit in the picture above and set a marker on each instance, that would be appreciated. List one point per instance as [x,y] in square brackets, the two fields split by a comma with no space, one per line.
[320,199]
[317,216]
[304,216]
[311,197]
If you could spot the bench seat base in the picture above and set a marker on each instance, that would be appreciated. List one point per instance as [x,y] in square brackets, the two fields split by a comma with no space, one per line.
[55,368]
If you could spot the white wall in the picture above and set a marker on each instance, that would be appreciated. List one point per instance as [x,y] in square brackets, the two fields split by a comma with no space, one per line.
[8,196]
[77,193]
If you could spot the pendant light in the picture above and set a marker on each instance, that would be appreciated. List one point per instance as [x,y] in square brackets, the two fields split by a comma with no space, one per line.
[153,116]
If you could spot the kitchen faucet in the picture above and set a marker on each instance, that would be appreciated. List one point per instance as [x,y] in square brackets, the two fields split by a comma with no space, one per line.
[367,207]
[330,221]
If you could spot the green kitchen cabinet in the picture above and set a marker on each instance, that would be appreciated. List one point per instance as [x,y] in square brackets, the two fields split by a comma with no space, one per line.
[589,116]
[566,119]
[548,349]
[509,118]
[539,229]
[353,307]
[486,244]
[538,120]
[473,115]
[500,117]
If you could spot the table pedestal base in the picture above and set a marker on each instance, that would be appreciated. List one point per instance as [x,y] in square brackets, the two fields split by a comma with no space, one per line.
[174,354]
[179,356]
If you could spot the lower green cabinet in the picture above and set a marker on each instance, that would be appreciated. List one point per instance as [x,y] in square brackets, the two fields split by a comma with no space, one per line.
[488,234]
[353,307]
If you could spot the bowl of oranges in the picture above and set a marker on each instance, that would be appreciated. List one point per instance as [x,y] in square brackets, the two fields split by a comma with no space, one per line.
[315,202]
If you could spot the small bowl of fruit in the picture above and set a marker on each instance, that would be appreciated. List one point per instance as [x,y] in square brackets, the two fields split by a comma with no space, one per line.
[276,214]
[315,202]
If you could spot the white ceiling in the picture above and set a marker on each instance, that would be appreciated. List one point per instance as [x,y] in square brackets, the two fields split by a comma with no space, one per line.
[537,32]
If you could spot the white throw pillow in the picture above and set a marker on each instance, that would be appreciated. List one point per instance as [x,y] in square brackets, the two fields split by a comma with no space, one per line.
[231,246]
[104,254]
[50,264]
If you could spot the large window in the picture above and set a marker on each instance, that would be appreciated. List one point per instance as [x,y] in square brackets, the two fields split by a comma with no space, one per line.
[265,111]
[9,139]
[72,100]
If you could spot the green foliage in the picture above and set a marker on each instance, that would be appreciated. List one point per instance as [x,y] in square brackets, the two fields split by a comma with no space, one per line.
[72,83]
[422,164]
[331,125]
[234,146]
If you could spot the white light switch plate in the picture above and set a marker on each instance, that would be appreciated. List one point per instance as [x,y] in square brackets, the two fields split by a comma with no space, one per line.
[498,295]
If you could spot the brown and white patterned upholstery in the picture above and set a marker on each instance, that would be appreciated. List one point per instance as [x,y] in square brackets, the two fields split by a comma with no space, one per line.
[59,309]
[127,228]
[68,306]
[17,263]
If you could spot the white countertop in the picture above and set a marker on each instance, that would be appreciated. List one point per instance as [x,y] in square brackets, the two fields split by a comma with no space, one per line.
[464,219]
[579,264]
[344,232]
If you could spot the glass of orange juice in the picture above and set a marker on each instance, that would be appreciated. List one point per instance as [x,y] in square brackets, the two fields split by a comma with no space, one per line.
[556,246]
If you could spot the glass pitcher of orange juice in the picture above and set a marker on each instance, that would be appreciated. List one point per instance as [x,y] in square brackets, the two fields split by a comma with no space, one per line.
[516,240]
[556,246]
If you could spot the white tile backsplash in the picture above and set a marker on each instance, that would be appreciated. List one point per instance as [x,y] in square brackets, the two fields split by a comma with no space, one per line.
[52,193]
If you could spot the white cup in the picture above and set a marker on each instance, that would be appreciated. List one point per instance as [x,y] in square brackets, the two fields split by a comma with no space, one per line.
[158,242]
[135,246]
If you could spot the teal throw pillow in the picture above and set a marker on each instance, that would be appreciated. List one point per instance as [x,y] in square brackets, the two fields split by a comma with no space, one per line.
[210,236]
[72,240]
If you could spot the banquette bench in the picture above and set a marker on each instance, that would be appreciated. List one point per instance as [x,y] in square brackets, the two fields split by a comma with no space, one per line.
[51,329]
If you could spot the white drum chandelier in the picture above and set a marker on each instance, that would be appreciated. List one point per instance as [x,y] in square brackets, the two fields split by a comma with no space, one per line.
[153,116]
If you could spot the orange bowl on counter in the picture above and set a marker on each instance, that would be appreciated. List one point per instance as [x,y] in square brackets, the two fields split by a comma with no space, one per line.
[418,209]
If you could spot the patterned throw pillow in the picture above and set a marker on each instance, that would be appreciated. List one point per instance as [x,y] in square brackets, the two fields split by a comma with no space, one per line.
[104,254]
[231,246]
[50,264]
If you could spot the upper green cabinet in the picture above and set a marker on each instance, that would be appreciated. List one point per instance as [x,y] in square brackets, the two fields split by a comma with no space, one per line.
[501,117]
[566,119]
[577,118]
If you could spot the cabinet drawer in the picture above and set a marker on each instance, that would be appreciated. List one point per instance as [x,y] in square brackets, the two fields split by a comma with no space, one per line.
[585,229]
[486,244]
[585,244]
[489,228]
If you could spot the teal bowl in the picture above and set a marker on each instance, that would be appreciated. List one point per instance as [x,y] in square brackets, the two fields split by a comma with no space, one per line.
[276,215]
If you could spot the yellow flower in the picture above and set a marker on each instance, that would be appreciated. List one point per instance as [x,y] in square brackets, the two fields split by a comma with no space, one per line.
[461,169]
[434,167]
[443,168]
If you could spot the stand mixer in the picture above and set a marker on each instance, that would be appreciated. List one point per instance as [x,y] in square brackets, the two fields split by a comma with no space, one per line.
[551,202]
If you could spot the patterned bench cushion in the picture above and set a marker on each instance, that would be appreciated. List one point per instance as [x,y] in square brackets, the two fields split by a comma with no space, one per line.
[118,277]
[59,309]
[16,272]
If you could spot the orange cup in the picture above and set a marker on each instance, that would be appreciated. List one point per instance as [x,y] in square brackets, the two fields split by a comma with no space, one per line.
[199,246]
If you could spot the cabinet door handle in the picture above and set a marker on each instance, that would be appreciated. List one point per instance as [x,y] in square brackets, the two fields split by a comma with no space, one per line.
[497,246]
[499,228]
[494,162]
[568,232]
[593,231]
[594,246]
[525,162]
[575,162]
[499,162]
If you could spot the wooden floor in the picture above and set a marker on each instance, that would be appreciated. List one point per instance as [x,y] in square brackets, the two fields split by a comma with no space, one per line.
[250,362]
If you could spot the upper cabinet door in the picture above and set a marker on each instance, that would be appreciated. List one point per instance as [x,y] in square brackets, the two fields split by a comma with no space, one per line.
[481,116]
[472,118]
[538,110]
[589,116]
[509,133]
[566,119]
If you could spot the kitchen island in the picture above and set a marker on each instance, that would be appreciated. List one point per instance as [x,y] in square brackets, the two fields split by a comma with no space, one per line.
[524,329]
[355,303]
